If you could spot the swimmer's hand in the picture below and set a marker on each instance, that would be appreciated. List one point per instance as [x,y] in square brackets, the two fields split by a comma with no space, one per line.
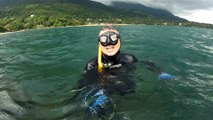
[166,76]
[100,104]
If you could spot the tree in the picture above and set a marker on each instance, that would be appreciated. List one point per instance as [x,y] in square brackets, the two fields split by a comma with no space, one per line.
[15,25]
[2,29]
[41,19]
[29,25]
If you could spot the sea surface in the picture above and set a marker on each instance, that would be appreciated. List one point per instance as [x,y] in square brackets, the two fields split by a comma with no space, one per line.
[40,68]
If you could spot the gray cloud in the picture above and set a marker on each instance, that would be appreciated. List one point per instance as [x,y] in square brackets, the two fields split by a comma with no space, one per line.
[177,7]
[171,5]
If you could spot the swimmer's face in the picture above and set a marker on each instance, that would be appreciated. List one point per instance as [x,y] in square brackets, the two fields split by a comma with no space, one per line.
[109,41]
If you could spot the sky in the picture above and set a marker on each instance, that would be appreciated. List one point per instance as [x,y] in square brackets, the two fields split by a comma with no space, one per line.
[192,10]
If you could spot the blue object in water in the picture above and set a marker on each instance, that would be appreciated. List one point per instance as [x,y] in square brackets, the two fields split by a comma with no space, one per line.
[166,76]
[100,103]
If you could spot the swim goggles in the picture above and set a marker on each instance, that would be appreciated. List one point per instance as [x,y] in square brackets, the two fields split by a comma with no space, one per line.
[108,38]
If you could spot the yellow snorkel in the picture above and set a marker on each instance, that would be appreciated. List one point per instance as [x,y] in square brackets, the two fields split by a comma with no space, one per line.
[100,65]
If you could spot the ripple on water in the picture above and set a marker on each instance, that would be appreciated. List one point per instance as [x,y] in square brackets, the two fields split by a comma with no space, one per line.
[9,109]
[41,66]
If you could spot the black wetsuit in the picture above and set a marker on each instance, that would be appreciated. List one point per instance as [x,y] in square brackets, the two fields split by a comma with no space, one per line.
[116,78]
[120,59]
[116,74]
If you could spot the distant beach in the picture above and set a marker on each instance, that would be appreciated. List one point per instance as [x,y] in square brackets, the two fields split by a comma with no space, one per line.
[102,24]
[3,33]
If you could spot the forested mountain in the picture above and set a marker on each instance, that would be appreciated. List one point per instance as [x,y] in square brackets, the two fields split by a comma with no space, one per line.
[30,14]
[142,10]
[136,7]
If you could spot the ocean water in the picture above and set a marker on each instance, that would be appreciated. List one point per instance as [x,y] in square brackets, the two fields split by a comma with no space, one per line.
[40,68]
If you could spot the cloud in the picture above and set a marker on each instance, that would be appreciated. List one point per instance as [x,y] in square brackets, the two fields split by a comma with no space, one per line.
[203,16]
[193,10]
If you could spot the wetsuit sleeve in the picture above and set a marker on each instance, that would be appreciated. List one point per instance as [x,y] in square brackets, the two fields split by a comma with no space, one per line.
[129,59]
[151,66]
[91,64]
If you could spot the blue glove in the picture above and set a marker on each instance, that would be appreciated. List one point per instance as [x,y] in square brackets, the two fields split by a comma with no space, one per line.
[100,103]
[166,76]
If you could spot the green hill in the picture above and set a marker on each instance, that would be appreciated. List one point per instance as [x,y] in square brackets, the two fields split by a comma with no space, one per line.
[157,13]
[30,14]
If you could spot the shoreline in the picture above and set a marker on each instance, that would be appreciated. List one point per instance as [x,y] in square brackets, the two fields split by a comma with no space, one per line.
[87,25]
[4,33]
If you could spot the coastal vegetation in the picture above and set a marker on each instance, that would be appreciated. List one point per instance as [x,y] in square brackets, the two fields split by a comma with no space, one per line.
[34,15]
